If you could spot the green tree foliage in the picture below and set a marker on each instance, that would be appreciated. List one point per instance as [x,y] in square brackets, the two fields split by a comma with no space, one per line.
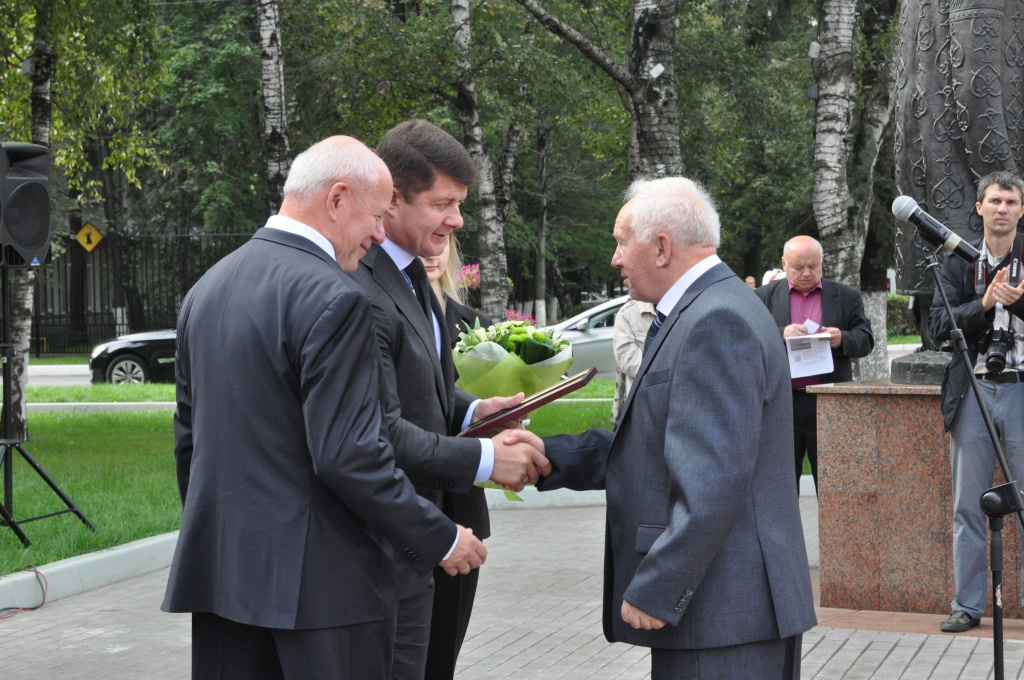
[106,68]
[16,20]
[170,95]
[206,123]
[748,123]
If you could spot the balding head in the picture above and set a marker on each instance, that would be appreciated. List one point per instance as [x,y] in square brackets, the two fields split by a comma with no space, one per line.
[341,189]
[334,159]
[802,261]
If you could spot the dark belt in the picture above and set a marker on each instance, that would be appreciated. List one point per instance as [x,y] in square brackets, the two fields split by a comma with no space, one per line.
[1004,377]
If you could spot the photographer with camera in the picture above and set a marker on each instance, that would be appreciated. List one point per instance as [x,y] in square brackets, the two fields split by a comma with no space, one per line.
[986,301]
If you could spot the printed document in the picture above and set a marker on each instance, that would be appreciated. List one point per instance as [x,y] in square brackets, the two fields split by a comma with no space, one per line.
[809,355]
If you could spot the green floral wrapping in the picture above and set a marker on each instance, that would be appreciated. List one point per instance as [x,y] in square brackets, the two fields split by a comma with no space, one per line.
[508,358]
[488,370]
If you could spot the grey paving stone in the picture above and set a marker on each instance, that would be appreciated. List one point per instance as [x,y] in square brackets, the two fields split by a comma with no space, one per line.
[538,615]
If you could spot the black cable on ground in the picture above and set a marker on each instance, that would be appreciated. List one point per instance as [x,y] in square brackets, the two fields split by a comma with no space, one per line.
[9,612]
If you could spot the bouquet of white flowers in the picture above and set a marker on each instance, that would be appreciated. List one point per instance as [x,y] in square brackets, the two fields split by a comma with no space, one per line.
[510,357]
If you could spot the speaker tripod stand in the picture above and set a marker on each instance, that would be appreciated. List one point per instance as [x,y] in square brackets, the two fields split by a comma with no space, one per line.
[9,445]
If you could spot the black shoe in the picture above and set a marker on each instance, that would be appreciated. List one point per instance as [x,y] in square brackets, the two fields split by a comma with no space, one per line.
[958,622]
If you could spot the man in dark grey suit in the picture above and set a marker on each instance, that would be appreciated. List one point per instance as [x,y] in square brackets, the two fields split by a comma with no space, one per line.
[432,173]
[804,303]
[294,513]
[705,558]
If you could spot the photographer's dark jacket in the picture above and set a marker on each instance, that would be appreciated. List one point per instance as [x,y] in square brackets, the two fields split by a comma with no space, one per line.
[957,279]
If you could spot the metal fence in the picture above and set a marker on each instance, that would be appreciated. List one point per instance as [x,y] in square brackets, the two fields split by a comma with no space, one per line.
[125,284]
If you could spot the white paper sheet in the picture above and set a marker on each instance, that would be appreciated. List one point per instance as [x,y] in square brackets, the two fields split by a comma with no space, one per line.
[809,355]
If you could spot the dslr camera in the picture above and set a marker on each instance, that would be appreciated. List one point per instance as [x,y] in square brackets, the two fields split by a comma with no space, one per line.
[999,341]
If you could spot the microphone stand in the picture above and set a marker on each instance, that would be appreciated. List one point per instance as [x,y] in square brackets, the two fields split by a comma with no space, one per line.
[1009,493]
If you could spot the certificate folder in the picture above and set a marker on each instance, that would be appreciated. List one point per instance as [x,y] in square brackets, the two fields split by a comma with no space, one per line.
[531,403]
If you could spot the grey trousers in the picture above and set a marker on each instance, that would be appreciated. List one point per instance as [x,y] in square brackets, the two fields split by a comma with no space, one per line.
[765,660]
[973,464]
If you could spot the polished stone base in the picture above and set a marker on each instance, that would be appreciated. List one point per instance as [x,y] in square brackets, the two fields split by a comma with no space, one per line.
[885,502]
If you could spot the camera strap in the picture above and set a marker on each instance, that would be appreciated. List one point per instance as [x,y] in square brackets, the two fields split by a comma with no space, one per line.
[981,272]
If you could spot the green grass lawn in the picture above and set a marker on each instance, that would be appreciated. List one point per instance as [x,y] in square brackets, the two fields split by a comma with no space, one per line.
[118,467]
[61,360]
[101,392]
[904,339]
[598,388]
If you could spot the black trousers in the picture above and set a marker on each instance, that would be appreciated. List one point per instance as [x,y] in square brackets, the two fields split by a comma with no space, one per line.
[226,650]
[805,433]
[412,633]
[453,605]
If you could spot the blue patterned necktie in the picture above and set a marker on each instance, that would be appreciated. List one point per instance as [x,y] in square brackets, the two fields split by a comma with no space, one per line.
[659,319]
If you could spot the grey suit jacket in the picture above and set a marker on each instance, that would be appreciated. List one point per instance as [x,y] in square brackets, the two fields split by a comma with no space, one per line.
[842,308]
[423,406]
[703,519]
[289,488]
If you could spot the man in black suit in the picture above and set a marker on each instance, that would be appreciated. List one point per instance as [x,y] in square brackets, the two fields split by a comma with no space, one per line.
[432,173]
[803,304]
[294,512]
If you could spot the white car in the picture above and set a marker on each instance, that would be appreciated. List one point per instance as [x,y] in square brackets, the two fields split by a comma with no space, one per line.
[591,336]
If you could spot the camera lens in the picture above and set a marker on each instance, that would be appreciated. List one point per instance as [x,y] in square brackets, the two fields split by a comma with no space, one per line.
[999,344]
[995,362]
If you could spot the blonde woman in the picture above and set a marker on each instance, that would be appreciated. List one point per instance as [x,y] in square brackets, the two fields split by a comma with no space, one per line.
[444,271]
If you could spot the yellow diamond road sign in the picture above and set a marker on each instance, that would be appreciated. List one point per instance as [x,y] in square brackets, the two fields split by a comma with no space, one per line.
[89,236]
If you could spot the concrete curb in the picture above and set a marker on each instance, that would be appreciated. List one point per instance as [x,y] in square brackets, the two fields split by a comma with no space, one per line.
[86,572]
[94,406]
[58,369]
[79,574]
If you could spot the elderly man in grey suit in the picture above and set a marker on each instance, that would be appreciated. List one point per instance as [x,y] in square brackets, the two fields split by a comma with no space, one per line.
[294,513]
[705,560]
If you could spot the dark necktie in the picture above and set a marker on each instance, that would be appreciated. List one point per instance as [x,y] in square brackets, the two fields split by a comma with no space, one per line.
[420,285]
[659,319]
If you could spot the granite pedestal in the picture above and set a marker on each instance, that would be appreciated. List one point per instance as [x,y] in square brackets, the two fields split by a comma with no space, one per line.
[885,502]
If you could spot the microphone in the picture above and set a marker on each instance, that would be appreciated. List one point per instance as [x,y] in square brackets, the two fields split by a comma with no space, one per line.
[905,208]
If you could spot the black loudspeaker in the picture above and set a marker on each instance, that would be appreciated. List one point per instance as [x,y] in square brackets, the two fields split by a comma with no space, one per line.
[24,204]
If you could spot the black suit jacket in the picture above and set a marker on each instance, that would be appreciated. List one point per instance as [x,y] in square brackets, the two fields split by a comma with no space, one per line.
[291,495]
[842,308]
[423,406]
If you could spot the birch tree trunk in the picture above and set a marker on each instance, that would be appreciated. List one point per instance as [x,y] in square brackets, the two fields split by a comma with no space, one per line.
[841,229]
[22,281]
[649,79]
[875,121]
[494,292]
[275,113]
[847,142]
[540,265]
[652,47]
[22,294]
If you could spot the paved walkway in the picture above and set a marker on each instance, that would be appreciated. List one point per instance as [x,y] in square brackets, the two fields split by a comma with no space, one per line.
[537,616]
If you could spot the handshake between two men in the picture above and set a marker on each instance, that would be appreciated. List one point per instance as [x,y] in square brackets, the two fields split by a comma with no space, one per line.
[518,460]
